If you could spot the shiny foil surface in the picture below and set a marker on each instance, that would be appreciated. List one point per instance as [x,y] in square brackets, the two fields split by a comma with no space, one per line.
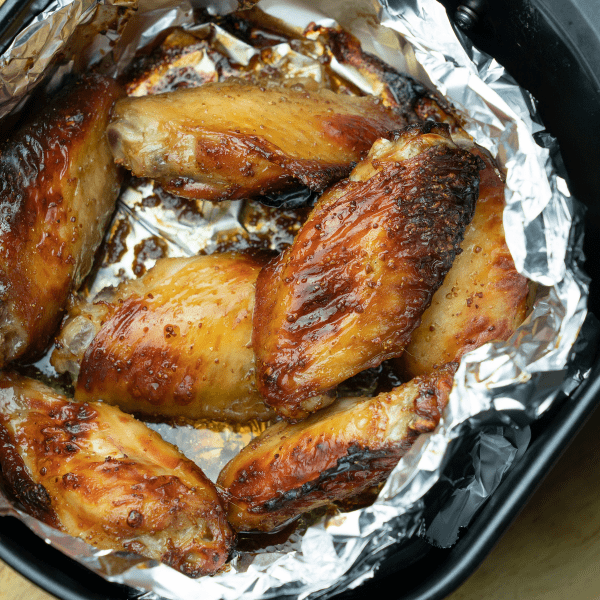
[515,381]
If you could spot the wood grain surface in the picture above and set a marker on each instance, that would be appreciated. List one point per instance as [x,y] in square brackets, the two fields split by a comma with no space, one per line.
[549,553]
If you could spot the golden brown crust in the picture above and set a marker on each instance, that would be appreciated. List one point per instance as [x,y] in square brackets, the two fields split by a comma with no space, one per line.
[33,496]
[171,65]
[483,297]
[397,90]
[97,473]
[350,290]
[58,187]
[233,140]
[174,343]
[332,455]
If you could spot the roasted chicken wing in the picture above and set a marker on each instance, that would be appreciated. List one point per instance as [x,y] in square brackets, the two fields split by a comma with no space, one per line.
[98,474]
[352,287]
[58,187]
[334,454]
[482,298]
[397,90]
[175,342]
[234,140]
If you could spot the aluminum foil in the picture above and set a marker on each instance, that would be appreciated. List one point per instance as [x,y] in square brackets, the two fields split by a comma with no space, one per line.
[510,383]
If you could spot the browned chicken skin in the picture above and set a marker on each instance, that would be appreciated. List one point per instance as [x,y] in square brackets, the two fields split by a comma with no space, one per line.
[233,140]
[351,289]
[483,297]
[402,93]
[174,343]
[58,187]
[98,474]
[349,294]
[334,454]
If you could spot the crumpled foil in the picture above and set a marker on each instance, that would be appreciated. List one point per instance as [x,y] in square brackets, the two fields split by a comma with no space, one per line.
[499,389]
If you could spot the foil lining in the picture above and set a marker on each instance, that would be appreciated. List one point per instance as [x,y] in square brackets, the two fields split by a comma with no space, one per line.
[515,381]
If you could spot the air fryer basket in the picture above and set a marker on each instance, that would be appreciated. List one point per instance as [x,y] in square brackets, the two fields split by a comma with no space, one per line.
[558,60]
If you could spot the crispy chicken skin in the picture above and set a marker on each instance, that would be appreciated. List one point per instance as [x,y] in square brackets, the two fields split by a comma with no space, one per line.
[58,187]
[232,139]
[483,297]
[98,474]
[352,287]
[175,342]
[397,90]
[334,454]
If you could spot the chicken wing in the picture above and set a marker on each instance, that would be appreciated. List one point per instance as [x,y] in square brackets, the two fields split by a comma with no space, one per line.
[352,287]
[482,298]
[98,474]
[396,90]
[233,139]
[334,454]
[58,187]
[175,342]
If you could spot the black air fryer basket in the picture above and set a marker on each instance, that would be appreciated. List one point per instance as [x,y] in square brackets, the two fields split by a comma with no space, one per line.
[552,48]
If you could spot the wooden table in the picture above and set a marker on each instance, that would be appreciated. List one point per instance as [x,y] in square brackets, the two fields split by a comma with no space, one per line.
[551,552]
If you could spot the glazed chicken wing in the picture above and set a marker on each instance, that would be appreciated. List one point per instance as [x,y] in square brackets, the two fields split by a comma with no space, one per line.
[397,90]
[58,187]
[175,342]
[483,297]
[352,287]
[334,454]
[98,474]
[234,140]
